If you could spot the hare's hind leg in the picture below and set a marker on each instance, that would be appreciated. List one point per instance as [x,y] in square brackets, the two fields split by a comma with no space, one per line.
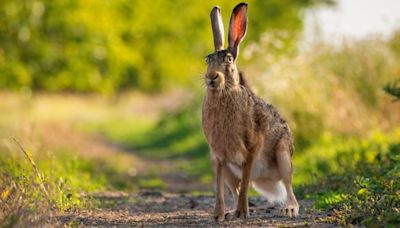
[284,161]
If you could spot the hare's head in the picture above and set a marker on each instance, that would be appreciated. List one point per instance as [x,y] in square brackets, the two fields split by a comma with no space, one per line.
[222,72]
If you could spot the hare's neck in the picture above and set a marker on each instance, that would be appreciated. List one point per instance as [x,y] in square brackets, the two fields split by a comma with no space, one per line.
[224,98]
[223,95]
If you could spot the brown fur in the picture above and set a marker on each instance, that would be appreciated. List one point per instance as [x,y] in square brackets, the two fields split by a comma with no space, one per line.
[243,131]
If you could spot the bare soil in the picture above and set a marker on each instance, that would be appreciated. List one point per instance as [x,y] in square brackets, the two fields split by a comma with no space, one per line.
[152,208]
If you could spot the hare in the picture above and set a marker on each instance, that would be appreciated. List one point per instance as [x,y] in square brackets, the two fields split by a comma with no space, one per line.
[250,143]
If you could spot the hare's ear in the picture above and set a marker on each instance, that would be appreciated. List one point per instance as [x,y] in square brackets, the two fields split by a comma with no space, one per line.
[237,28]
[217,28]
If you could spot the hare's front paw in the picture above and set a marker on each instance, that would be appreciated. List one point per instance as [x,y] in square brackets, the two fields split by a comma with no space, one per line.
[290,210]
[219,217]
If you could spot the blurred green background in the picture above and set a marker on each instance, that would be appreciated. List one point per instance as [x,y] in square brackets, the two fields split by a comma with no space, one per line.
[104,94]
[109,46]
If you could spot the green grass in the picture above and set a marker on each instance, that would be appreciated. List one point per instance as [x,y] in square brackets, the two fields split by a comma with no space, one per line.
[65,177]
[331,153]
[364,187]
[69,178]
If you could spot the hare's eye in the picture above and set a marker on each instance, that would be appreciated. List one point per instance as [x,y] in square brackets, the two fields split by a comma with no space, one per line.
[229,59]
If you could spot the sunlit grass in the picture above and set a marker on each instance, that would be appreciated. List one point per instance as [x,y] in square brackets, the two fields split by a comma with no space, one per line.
[65,177]
[331,153]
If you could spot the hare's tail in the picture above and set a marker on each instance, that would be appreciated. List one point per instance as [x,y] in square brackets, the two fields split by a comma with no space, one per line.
[274,191]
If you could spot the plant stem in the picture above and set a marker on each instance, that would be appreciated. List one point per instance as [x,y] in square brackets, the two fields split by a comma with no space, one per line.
[52,204]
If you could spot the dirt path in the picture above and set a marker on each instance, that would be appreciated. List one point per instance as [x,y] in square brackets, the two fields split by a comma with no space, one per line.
[160,209]
[155,208]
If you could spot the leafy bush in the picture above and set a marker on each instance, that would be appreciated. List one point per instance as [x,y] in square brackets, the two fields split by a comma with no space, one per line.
[393,89]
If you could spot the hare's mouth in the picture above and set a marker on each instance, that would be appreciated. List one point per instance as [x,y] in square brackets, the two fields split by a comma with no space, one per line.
[213,85]
[214,82]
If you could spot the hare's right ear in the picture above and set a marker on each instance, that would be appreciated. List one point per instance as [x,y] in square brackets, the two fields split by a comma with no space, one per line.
[217,28]
[237,28]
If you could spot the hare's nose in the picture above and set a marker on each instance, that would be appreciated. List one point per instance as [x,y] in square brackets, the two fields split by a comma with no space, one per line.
[215,77]
[212,78]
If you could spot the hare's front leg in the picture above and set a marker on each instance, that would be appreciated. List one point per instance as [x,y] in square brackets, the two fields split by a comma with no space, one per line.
[242,209]
[219,210]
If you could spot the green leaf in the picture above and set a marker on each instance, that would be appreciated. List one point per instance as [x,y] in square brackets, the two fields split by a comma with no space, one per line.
[362,191]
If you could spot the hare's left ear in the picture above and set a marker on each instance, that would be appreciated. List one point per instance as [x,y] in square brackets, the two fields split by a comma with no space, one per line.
[237,28]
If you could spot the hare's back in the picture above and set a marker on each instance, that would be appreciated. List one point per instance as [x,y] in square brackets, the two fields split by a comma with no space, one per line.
[272,123]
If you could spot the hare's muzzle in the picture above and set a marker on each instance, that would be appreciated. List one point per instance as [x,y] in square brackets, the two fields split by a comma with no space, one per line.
[213,79]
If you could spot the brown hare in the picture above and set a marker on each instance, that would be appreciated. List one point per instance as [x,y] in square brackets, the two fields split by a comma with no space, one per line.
[249,141]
